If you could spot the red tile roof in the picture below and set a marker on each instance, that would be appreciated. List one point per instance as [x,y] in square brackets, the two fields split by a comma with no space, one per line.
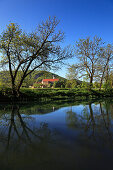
[52,80]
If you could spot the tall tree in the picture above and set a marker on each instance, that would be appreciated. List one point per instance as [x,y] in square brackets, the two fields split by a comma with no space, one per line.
[105,63]
[30,51]
[87,52]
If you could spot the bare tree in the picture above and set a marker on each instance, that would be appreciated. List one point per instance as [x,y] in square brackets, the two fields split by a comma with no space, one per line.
[27,52]
[105,63]
[87,52]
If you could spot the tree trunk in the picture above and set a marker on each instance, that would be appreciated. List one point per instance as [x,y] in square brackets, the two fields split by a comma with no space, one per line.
[91,81]
[101,82]
[15,92]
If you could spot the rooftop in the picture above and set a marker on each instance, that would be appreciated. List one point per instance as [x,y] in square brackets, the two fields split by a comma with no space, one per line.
[52,80]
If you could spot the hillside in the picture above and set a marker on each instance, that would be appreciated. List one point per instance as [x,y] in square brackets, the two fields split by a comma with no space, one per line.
[48,75]
[36,76]
[39,75]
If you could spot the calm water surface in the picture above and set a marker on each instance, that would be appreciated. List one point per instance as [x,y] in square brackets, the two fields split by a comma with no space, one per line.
[61,135]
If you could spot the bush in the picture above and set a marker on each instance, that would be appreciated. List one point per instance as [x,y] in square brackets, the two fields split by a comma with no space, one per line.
[107,85]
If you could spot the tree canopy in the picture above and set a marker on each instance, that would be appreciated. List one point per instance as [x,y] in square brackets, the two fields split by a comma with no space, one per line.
[27,52]
[94,58]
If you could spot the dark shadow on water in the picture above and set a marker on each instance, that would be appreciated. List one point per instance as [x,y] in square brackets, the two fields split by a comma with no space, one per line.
[21,144]
[95,124]
[81,136]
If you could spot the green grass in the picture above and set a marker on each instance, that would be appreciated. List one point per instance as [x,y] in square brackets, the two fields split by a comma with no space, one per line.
[63,93]
[54,94]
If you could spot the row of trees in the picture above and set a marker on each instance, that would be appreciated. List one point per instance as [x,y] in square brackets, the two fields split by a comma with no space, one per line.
[22,53]
[95,60]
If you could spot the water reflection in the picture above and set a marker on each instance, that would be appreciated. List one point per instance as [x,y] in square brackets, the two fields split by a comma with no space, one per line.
[77,136]
[23,145]
[15,129]
[95,121]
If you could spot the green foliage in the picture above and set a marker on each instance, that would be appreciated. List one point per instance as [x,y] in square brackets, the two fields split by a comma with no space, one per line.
[54,94]
[96,85]
[88,52]
[85,85]
[23,53]
[72,72]
[74,84]
[107,85]
[71,84]
[5,79]
[59,84]
[37,85]
[32,78]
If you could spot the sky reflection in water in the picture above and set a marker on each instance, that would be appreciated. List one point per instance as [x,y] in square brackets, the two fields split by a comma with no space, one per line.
[77,136]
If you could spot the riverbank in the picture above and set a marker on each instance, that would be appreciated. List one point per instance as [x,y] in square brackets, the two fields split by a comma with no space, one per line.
[27,94]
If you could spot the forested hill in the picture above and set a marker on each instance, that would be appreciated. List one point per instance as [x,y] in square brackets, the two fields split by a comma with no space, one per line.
[36,76]
[39,75]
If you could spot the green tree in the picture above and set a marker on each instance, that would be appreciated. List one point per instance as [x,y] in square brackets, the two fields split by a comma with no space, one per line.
[59,84]
[71,84]
[87,52]
[85,85]
[107,85]
[27,52]
[105,63]
[96,85]
[37,85]
[5,79]
[72,72]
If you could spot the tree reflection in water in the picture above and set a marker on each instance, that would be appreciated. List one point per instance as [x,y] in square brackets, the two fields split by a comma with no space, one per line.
[22,143]
[16,130]
[94,121]
[80,142]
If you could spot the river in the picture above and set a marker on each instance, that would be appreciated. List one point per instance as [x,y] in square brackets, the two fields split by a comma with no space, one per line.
[56,135]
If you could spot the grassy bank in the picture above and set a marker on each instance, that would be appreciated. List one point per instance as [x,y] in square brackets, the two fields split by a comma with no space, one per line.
[54,94]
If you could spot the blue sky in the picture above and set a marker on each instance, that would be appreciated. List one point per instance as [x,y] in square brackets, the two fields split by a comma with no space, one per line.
[78,18]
